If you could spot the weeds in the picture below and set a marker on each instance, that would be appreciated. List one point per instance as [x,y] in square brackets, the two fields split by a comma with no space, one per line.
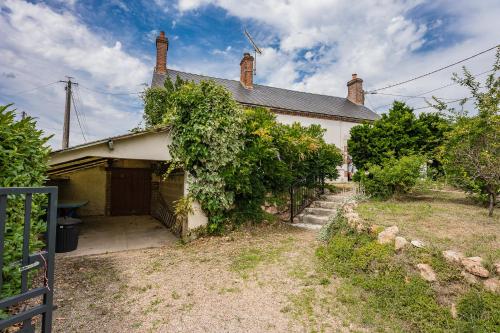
[394,291]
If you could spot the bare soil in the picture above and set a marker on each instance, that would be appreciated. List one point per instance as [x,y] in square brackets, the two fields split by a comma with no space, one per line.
[260,279]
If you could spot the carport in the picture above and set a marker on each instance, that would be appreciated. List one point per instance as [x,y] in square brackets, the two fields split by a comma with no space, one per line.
[129,204]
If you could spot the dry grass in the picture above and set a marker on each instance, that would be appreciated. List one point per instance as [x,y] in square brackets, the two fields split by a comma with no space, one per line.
[447,219]
[260,279]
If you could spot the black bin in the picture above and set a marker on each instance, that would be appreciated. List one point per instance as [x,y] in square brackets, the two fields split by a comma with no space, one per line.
[67,234]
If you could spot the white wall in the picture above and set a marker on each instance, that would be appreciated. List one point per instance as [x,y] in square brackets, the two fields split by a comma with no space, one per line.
[337,132]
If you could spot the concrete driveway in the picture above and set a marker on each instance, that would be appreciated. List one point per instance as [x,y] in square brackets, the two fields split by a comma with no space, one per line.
[105,234]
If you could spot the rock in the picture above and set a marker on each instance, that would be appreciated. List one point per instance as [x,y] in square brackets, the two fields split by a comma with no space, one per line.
[473,266]
[492,284]
[417,243]
[469,278]
[388,235]
[374,229]
[399,243]
[426,272]
[453,311]
[348,209]
[453,256]
[497,268]
[272,210]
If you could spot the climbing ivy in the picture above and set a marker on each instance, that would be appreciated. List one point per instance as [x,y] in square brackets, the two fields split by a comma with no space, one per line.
[236,158]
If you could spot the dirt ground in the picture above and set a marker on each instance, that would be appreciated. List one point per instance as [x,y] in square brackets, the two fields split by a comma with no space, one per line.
[261,279]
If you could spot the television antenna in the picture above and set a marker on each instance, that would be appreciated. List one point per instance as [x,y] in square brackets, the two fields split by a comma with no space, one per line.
[256,50]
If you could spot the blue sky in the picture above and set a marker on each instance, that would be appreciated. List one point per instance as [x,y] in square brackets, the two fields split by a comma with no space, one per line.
[314,46]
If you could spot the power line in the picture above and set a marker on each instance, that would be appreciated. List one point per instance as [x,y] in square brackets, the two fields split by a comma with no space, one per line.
[450,102]
[32,89]
[84,116]
[430,91]
[436,70]
[113,93]
[78,118]
[396,95]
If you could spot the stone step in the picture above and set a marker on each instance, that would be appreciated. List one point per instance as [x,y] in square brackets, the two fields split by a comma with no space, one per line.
[333,197]
[314,219]
[320,211]
[325,204]
[308,226]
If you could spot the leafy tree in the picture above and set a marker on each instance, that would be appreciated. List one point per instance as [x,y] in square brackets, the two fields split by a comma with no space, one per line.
[396,134]
[471,153]
[273,157]
[23,163]
[157,101]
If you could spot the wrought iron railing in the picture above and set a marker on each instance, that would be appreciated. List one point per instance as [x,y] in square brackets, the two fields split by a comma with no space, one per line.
[162,211]
[303,192]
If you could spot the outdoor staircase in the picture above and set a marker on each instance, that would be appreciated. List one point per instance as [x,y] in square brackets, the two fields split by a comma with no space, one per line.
[320,211]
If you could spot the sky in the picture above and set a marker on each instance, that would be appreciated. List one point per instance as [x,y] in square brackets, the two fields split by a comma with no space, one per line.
[314,46]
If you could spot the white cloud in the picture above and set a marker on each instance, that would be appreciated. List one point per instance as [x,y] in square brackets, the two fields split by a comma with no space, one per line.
[380,40]
[40,46]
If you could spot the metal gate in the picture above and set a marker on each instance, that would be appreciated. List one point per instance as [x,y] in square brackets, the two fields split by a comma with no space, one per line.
[41,260]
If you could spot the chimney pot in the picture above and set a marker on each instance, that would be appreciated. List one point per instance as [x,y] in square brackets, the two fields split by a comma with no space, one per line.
[246,71]
[161,53]
[355,91]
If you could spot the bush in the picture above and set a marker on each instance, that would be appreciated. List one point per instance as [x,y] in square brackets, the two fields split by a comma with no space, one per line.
[23,163]
[394,176]
[396,134]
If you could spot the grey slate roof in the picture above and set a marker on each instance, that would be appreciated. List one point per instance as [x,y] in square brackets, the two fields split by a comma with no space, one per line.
[279,98]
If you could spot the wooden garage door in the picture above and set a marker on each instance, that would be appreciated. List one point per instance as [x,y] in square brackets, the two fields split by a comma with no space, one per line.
[130,191]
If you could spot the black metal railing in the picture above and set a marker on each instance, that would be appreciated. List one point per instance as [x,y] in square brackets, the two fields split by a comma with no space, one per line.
[40,260]
[161,210]
[303,192]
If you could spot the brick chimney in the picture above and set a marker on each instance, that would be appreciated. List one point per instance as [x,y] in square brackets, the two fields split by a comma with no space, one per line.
[246,75]
[161,53]
[355,90]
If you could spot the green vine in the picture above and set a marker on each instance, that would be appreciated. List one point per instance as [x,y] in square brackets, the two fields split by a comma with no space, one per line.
[237,158]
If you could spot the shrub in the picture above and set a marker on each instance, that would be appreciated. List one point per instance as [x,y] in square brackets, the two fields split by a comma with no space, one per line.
[397,133]
[23,163]
[394,176]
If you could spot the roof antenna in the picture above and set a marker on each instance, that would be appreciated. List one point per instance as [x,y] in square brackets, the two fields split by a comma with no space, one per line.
[255,48]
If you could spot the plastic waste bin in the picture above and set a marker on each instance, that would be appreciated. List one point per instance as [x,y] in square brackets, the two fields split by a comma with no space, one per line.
[67,234]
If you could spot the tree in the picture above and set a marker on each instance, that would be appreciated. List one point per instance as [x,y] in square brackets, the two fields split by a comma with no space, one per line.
[23,163]
[471,153]
[157,101]
[396,134]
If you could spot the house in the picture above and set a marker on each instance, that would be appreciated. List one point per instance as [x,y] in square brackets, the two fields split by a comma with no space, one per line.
[122,175]
[336,114]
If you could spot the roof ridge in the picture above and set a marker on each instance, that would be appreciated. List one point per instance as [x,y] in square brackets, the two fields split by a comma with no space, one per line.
[260,85]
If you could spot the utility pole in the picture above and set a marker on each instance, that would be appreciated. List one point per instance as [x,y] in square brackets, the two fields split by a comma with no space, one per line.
[67,112]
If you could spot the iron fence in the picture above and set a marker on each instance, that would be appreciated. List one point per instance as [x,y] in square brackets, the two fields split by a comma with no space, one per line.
[303,192]
[43,259]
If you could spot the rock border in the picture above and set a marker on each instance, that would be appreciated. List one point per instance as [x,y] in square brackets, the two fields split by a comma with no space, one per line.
[473,269]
